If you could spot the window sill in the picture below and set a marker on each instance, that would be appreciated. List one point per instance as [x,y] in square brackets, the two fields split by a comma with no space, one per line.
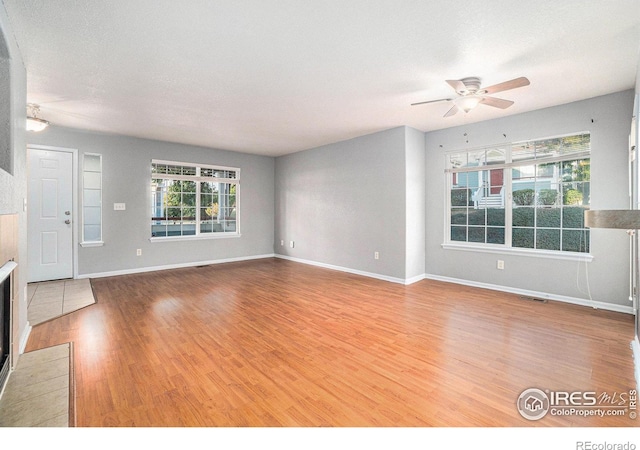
[195,238]
[567,256]
[92,244]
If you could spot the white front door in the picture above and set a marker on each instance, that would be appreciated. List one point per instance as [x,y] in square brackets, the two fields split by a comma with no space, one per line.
[50,228]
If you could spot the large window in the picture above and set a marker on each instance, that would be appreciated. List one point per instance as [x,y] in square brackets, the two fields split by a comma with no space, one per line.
[194,200]
[528,195]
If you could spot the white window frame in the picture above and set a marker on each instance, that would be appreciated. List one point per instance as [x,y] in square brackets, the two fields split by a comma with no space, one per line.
[507,248]
[197,178]
[98,190]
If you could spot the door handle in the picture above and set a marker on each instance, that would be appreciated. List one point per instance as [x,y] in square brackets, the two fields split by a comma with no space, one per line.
[67,213]
[67,221]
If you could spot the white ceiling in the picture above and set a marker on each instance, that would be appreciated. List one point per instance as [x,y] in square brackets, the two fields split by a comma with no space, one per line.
[274,77]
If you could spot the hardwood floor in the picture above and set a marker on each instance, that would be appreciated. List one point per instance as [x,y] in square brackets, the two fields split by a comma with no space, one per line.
[276,343]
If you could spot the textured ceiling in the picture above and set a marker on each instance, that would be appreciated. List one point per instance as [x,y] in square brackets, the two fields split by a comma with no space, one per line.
[274,77]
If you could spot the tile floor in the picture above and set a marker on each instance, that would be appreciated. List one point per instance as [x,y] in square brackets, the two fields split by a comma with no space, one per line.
[38,392]
[51,299]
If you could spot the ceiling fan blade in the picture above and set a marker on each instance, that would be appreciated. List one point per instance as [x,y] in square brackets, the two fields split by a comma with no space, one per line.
[457,85]
[454,109]
[496,102]
[505,86]
[433,101]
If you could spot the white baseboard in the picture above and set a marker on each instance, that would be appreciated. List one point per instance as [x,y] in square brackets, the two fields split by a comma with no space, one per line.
[635,347]
[172,266]
[407,281]
[24,337]
[535,294]
[415,279]
[345,269]
[495,287]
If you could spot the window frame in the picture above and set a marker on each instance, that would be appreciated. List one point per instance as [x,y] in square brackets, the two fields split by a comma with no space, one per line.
[507,167]
[85,208]
[197,179]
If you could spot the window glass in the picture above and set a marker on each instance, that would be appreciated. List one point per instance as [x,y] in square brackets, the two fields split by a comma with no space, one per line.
[549,190]
[192,200]
[91,199]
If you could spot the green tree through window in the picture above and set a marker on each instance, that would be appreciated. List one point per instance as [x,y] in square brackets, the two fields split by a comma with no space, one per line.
[193,200]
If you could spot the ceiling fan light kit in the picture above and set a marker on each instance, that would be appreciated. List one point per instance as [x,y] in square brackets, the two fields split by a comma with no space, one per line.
[470,94]
[34,123]
[467,103]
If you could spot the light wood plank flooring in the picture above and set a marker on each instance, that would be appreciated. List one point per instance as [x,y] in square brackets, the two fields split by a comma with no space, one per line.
[276,343]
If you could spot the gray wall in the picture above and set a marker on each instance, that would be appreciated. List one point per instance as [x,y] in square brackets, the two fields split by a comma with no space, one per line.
[383,192]
[13,188]
[126,179]
[342,202]
[608,118]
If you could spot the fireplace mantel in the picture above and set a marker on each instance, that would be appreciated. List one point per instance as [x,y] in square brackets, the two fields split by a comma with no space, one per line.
[6,270]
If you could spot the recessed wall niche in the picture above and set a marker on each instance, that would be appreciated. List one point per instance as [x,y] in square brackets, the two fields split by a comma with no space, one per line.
[6,150]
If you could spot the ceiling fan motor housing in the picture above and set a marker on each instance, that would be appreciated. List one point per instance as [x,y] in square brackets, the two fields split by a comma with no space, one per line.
[472,86]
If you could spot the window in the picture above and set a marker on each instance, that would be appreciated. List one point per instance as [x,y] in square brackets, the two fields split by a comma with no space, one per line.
[527,195]
[190,200]
[91,200]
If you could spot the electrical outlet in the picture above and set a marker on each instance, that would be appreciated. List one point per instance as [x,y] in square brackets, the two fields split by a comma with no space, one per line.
[281,242]
[119,206]
[376,255]
[139,252]
[291,244]
[500,264]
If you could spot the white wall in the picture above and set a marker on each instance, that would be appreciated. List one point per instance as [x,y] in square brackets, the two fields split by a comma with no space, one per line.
[126,179]
[608,118]
[416,194]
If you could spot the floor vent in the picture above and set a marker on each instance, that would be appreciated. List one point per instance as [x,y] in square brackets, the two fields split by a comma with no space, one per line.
[533,299]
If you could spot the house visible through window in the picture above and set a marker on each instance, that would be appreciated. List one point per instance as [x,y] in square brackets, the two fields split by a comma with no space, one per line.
[529,195]
[193,200]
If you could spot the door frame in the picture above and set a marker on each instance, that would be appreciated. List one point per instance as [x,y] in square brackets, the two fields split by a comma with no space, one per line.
[74,198]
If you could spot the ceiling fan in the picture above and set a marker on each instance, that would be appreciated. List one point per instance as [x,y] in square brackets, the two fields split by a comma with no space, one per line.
[470,94]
